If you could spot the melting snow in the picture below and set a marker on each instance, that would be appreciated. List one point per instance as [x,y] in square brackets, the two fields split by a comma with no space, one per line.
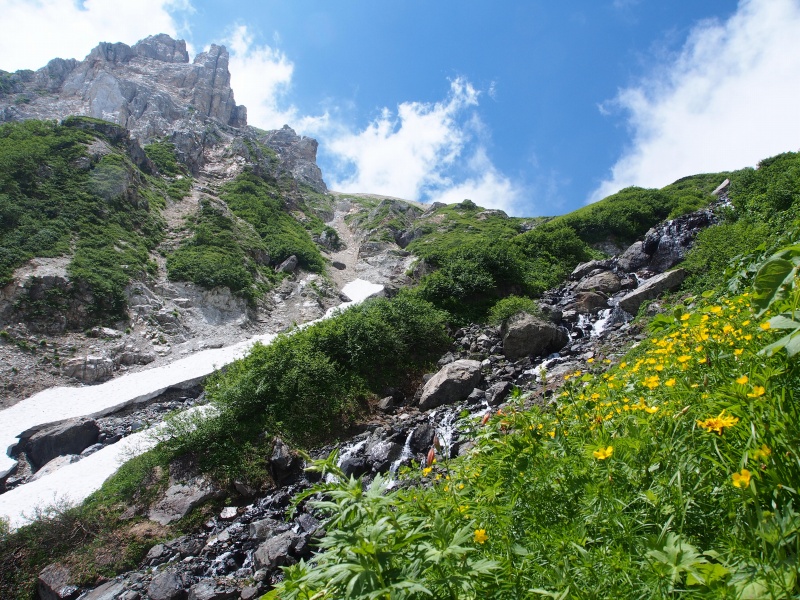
[76,481]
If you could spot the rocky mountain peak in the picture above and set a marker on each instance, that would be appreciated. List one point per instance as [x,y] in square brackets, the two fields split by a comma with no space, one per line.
[298,155]
[150,88]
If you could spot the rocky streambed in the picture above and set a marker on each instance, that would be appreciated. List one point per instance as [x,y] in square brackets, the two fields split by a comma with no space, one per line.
[238,552]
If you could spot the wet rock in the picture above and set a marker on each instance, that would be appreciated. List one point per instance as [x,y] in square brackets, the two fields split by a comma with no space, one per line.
[249,593]
[265,529]
[180,499]
[382,454]
[588,303]
[606,282]
[211,590]
[422,438]
[89,369]
[583,269]
[634,258]
[228,513]
[287,266]
[355,466]
[498,392]
[277,551]
[476,396]
[526,335]
[68,437]
[652,289]
[166,586]
[54,584]
[452,383]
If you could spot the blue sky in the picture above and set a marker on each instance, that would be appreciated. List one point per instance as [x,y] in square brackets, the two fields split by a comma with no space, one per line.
[535,107]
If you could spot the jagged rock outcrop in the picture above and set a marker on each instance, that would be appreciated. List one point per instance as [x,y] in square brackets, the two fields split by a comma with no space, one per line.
[149,88]
[298,155]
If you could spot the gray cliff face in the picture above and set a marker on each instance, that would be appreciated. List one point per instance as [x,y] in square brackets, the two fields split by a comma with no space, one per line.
[298,155]
[150,88]
[153,90]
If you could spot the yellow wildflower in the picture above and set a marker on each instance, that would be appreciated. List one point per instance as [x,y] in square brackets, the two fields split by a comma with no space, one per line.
[589,360]
[684,358]
[742,380]
[718,423]
[480,536]
[426,471]
[765,326]
[762,453]
[669,382]
[651,409]
[716,309]
[758,391]
[651,382]
[685,316]
[741,479]
[603,453]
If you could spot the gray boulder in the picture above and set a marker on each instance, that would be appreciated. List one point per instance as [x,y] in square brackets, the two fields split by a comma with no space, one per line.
[166,586]
[265,529]
[634,258]
[587,303]
[89,369]
[180,498]
[111,590]
[54,584]
[652,289]
[283,461]
[583,269]
[452,383]
[287,266]
[68,437]
[211,590]
[498,392]
[277,551]
[526,335]
[606,282]
[421,438]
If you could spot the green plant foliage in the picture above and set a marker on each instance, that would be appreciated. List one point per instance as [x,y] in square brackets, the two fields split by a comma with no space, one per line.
[670,473]
[510,306]
[219,253]
[163,156]
[628,214]
[260,203]
[308,386]
[54,200]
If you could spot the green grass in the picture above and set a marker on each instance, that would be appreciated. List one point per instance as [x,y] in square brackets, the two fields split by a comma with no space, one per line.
[51,204]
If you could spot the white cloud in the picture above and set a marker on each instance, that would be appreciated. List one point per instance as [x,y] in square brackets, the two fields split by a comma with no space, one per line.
[728,100]
[36,31]
[419,152]
[261,76]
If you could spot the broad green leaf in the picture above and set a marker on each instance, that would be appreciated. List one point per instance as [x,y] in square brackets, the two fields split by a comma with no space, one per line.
[782,322]
[769,282]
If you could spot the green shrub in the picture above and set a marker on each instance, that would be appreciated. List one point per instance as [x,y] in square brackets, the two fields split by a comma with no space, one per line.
[510,306]
[309,386]
[163,156]
[260,203]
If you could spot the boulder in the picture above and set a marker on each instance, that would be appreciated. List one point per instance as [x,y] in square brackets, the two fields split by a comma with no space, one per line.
[211,590]
[605,281]
[284,462]
[634,258]
[422,438]
[111,590]
[54,584]
[452,383]
[526,335]
[68,437]
[166,586]
[287,266]
[386,405]
[498,392]
[587,303]
[89,369]
[652,289]
[382,454]
[55,464]
[265,529]
[583,269]
[338,265]
[277,551]
[179,499]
